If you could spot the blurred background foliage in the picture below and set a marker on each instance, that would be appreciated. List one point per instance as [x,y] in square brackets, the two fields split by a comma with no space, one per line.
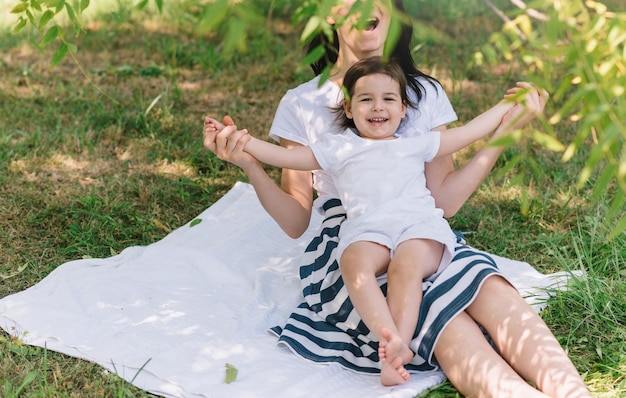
[573,48]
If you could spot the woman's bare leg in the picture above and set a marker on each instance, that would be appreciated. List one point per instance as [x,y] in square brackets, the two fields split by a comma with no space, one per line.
[360,263]
[474,367]
[525,341]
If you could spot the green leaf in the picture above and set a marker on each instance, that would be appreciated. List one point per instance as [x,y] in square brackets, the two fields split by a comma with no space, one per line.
[195,222]
[29,378]
[231,373]
[49,36]
[36,6]
[19,25]
[59,5]
[159,4]
[31,18]
[213,16]
[325,75]
[45,18]
[236,35]
[141,5]
[72,48]
[393,35]
[19,8]
[617,205]
[313,26]
[364,9]
[602,183]
[573,101]
[83,5]
[618,228]
[314,55]
[547,141]
[56,4]
[71,14]
[509,139]
[508,166]
[58,55]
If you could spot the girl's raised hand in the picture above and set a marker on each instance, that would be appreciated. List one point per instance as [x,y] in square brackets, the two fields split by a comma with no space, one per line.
[211,128]
[226,141]
[534,99]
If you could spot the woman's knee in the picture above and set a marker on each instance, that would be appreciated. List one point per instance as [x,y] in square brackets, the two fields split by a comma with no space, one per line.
[496,286]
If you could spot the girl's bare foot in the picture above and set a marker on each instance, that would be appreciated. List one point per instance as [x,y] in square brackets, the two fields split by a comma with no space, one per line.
[393,354]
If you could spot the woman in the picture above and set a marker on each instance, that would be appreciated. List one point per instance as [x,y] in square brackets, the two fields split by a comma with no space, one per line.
[470,292]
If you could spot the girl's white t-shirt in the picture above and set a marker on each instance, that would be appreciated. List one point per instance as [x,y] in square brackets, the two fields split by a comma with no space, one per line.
[304,115]
[378,179]
[382,187]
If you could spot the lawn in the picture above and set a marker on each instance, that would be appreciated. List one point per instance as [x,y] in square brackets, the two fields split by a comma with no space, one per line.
[104,152]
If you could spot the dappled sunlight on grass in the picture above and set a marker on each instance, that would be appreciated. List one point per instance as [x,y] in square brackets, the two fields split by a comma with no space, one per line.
[176,168]
[64,167]
[84,173]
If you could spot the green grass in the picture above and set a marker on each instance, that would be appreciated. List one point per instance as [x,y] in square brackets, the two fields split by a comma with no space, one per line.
[91,166]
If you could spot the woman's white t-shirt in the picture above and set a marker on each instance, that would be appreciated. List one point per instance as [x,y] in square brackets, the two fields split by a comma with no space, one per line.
[304,115]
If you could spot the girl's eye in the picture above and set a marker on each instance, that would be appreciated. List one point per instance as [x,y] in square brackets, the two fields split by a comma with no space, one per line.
[390,99]
[366,99]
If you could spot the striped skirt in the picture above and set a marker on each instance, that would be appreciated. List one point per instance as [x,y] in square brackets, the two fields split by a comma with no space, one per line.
[326,328]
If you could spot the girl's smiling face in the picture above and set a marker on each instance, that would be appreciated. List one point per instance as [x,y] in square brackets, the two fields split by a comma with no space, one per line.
[376,106]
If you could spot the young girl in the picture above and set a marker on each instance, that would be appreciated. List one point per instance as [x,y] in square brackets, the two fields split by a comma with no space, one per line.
[392,223]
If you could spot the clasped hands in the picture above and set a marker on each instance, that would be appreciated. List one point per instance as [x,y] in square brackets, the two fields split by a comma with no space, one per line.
[226,141]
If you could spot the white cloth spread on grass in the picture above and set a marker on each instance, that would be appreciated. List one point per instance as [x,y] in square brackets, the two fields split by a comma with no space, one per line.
[169,316]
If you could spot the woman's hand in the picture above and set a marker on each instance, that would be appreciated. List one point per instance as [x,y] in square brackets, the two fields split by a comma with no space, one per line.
[531,104]
[227,142]
[534,99]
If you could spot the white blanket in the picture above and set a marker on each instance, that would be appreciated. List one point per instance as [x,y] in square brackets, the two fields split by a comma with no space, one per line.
[168,317]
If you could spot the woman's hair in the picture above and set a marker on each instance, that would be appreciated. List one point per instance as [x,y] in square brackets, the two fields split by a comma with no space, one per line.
[401,54]
[366,67]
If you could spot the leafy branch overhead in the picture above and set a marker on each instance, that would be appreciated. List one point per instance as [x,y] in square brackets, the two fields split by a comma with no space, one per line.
[40,13]
[575,49]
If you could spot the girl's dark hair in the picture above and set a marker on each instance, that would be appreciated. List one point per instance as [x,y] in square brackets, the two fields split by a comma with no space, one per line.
[366,67]
[401,54]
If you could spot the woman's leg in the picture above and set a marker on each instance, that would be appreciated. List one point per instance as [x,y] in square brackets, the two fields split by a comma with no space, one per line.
[524,340]
[360,263]
[474,367]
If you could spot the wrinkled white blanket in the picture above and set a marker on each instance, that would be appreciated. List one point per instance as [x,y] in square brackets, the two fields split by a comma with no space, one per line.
[169,316]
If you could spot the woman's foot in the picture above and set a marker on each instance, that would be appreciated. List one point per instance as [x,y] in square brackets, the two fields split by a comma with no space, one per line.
[393,354]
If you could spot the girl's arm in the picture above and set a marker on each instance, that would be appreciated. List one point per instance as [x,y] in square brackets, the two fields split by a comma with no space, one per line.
[457,138]
[296,158]
[290,205]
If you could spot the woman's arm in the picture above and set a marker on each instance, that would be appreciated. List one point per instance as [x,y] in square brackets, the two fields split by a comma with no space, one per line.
[451,188]
[459,137]
[291,204]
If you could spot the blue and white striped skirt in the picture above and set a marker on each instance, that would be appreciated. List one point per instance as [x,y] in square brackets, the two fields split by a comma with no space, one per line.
[326,328]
